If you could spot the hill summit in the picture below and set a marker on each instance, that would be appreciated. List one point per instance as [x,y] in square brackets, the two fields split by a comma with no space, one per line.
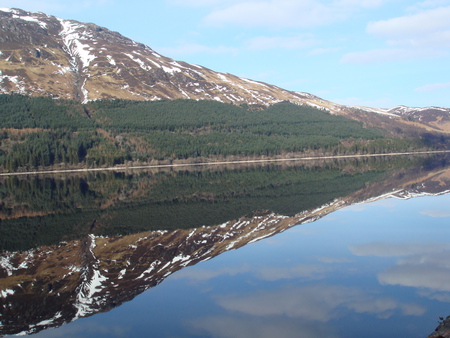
[46,55]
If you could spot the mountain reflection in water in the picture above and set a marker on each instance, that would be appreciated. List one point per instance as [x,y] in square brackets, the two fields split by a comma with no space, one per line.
[79,245]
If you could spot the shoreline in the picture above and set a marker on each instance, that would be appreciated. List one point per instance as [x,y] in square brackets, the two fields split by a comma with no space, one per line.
[218,163]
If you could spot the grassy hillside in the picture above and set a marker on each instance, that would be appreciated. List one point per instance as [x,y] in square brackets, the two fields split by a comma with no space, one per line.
[41,132]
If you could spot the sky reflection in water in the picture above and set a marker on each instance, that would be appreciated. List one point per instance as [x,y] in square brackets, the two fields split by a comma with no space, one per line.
[374,270]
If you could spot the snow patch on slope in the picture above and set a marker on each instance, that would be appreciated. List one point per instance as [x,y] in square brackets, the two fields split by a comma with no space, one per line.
[92,284]
[72,34]
[18,15]
[141,63]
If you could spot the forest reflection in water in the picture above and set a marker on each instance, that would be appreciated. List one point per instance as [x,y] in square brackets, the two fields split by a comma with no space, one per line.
[63,258]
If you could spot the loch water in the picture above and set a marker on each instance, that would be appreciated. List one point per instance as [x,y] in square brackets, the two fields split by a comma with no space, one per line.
[354,248]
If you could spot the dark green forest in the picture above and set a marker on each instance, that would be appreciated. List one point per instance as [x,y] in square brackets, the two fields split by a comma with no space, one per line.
[45,133]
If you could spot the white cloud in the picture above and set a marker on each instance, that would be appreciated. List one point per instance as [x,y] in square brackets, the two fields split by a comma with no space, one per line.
[419,265]
[417,275]
[290,272]
[284,321]
[439,258]
[412,25]
[412,310]
[439,296]
[420,35]
[265,273]
[427,28]
[284,13]
[431,88]
[315,302]
[381,305]
[428,4]
[197,274]
[287,13]
[281,42]
[397,249]
[298,302]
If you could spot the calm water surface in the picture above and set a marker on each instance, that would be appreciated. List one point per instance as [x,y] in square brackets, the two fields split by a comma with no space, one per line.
[372,270]
[377,269]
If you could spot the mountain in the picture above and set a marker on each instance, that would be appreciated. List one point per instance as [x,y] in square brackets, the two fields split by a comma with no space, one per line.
[45,55]
[42,55]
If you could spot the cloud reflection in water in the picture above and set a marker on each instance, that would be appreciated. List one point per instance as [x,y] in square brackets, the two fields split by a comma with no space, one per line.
[419,265]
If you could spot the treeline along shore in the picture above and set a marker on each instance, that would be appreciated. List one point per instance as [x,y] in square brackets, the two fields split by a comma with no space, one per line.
[45,134]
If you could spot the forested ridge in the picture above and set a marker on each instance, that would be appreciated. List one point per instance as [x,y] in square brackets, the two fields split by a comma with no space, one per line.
[42,132]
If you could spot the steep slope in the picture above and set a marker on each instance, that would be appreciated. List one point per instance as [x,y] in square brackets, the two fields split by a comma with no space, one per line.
[45,55]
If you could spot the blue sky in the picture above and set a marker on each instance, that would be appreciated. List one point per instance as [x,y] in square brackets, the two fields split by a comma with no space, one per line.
[378,53]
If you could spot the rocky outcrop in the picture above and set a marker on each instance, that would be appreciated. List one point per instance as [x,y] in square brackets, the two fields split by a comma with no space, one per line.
[443,329]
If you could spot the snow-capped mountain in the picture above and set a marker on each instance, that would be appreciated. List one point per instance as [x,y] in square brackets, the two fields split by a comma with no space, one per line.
[42,55]
[46,55]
